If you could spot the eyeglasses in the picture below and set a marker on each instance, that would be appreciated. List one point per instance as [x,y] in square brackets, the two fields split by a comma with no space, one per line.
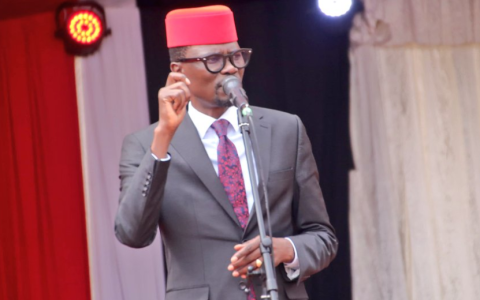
[215,63]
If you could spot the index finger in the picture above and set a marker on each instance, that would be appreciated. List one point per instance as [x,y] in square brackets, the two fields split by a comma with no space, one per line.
[246,248]
[174,77]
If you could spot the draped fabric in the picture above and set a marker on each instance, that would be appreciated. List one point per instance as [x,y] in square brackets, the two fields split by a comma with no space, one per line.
[19,8]
[43,243]
[415,125]
[425,22]
[116,3]
[112,102]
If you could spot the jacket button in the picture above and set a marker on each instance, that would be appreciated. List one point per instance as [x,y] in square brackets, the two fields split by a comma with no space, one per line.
[243,286]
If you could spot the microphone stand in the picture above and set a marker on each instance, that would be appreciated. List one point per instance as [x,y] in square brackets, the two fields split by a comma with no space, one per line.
[267,271]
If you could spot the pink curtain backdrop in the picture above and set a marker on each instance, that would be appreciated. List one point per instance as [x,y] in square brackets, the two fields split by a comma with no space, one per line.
[112,101]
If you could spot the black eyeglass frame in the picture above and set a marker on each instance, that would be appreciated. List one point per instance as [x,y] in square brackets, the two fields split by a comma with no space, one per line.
[229,55]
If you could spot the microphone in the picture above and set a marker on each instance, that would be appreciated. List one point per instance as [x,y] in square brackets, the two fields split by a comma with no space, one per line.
[233,87]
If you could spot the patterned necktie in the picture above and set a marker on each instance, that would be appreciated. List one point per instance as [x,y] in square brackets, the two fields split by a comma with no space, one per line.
[230,172]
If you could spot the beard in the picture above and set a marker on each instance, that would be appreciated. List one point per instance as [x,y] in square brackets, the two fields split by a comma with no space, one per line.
[222,102]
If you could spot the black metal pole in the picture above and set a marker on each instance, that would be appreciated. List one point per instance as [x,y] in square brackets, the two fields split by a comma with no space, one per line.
[249,139]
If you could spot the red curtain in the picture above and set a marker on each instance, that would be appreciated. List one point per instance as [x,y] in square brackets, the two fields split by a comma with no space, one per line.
[43,252]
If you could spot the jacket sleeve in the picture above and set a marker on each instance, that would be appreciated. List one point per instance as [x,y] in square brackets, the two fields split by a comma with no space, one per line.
[315,241]
[141,191]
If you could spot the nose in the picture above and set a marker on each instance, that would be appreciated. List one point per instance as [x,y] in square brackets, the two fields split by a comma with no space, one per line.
[229,69]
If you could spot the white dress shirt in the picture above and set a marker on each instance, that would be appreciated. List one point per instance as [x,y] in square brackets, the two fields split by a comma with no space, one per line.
[210,141]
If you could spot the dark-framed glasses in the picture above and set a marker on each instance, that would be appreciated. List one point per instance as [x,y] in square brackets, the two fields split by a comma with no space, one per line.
[216,62]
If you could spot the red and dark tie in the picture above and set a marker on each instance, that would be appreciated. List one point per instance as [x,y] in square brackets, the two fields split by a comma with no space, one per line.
[230,172]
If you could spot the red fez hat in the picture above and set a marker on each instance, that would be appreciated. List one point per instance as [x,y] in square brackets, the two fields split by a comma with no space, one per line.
[200,26]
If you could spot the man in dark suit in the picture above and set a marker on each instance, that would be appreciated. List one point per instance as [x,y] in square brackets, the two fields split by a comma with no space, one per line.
[187,174]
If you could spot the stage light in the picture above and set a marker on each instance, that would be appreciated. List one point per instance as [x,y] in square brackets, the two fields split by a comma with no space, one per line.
[85,27]
[334,8]
[82,26]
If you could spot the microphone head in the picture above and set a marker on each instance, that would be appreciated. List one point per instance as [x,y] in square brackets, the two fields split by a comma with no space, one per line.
[231,83]
[232,86]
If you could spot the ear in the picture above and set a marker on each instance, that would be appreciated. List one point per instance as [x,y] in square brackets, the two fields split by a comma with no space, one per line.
[176,67]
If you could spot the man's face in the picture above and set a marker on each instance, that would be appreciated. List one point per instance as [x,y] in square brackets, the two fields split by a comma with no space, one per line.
[206,89]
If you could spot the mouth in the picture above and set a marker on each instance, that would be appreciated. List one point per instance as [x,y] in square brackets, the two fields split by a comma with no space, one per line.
[220,92]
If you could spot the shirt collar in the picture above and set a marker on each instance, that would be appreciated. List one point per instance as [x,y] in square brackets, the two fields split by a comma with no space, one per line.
[203,122]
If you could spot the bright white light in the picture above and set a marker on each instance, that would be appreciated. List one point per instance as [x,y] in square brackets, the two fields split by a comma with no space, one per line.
[334,8]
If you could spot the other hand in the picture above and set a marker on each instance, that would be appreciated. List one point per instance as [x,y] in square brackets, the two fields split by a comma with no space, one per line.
[248,253]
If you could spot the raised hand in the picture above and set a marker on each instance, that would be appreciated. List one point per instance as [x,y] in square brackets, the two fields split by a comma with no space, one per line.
[172,101]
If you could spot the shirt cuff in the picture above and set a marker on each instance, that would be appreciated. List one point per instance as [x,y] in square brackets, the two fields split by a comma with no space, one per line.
[293,268]
[161,159]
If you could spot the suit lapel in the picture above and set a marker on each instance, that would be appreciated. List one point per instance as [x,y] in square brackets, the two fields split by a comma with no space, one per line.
[263,130]
[189,145]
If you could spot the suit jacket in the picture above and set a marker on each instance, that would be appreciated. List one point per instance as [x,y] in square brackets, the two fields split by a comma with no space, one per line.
[185,198]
